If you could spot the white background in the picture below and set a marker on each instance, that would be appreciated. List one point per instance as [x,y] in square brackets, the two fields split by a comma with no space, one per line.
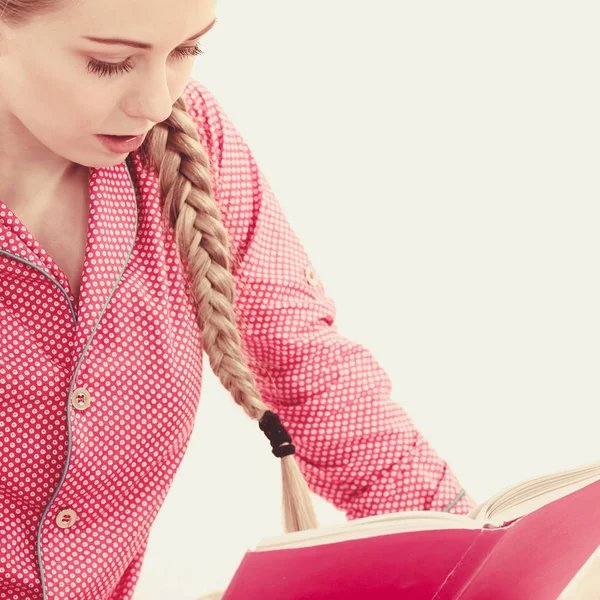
[439,161]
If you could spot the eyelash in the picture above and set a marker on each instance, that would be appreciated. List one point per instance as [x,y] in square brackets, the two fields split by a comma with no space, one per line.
[107,69]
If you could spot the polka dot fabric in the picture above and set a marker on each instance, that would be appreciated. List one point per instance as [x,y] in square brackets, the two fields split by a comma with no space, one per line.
[99,397]
[355,446]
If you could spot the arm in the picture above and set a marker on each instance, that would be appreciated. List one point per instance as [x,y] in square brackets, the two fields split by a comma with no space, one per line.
[356,447]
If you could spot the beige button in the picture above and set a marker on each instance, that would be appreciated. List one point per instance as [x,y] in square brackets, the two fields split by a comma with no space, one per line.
[81,398]
[66,518]
[311,276]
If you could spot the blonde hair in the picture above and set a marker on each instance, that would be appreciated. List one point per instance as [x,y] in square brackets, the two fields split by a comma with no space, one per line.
[174,151]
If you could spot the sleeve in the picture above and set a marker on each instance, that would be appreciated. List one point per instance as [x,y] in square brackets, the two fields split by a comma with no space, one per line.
[357,448]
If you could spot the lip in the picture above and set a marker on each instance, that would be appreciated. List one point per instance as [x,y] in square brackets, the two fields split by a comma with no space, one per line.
[121,144]
[124,135]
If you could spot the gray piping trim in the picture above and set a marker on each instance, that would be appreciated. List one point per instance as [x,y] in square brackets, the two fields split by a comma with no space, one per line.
[453,503]
[73,314]
[60,287]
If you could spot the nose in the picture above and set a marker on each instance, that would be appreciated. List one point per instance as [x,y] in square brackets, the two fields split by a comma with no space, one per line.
[151,98]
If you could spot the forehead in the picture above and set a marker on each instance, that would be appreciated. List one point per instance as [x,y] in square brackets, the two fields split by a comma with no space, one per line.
[138,19]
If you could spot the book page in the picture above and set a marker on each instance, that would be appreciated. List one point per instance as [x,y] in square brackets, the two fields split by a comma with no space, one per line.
[529,495]
[369,527]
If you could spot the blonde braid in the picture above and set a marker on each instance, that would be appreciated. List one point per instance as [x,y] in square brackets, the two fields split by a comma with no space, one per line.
[173,149]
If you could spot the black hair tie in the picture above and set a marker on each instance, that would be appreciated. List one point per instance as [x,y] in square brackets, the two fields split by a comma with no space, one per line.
[281,442]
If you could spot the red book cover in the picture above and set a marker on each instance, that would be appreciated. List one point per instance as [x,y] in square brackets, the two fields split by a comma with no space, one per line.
[531,558]
[538,555]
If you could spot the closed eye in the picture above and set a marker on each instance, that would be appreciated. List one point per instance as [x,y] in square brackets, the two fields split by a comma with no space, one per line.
[104,69]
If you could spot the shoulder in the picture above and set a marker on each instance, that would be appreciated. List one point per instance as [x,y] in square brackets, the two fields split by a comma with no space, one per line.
[211,122]
[201,105]
[238,184]
[225,145]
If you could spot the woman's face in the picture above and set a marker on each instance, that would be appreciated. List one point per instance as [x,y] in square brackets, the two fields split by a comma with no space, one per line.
[52,104]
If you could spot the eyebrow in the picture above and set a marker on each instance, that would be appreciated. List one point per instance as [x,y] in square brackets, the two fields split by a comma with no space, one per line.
[142,45]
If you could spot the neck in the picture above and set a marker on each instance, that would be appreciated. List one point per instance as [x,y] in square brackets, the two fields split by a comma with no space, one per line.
[31,186]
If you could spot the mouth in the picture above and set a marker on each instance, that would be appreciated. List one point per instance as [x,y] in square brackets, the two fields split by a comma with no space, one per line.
[124,137]
[121,143]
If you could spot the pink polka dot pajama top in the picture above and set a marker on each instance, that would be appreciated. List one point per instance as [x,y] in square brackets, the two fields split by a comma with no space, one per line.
[99,397]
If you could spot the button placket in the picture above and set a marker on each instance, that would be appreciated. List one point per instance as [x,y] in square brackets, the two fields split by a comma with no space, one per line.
[80,399]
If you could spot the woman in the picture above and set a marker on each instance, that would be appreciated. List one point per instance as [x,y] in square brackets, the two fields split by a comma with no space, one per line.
[120,263]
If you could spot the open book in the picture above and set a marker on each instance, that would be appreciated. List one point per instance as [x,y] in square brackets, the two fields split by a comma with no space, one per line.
[528,541]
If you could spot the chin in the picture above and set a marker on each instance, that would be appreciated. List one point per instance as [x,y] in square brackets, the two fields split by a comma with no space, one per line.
[105,164]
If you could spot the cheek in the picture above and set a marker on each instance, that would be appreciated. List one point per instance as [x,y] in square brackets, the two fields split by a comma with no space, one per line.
[60,98]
